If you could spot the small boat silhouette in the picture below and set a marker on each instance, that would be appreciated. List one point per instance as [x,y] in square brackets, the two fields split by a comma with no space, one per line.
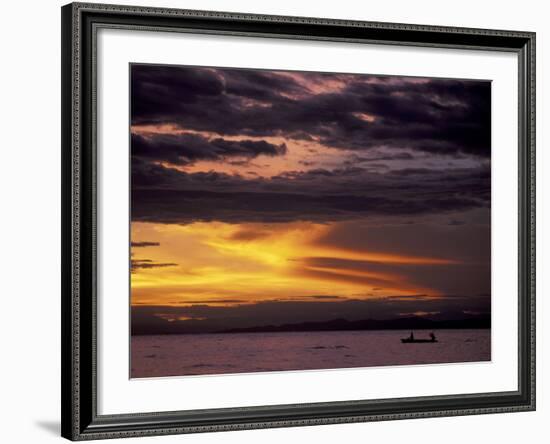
[411,339]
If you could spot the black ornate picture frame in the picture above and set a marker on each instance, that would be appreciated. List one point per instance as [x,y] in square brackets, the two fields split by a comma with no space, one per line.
[80,419]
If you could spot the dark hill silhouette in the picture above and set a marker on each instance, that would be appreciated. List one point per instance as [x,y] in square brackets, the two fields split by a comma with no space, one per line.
[405,323]
[408,323]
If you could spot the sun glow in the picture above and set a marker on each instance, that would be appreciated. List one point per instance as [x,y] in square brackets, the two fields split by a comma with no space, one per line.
[257,262]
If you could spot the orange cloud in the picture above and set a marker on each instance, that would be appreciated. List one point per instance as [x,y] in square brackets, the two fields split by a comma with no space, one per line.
[257,262]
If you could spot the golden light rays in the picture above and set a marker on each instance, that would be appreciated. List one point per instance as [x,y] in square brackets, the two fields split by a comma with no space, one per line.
[221,263]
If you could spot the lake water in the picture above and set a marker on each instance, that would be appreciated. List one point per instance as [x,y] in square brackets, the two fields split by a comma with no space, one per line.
[208,354]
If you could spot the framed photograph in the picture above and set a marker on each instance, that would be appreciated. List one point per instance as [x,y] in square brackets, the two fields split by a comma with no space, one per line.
[282,221]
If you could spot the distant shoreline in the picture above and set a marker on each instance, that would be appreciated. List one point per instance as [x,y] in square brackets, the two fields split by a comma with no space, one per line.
[303,331]
[410,323]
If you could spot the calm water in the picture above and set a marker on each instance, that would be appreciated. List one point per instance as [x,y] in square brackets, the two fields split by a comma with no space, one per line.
[207,354]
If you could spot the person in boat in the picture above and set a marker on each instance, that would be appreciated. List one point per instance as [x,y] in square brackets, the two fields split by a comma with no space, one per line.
[411,337]
[432,336]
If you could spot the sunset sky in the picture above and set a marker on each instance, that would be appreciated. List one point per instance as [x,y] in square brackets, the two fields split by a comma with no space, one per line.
[268,197]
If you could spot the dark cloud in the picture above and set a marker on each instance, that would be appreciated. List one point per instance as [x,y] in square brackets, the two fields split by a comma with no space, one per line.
[136,264]
[163,90]
[397,156]
[445,277]
[145,244]
[183,149]
[148,263]
[261,86]
[203,99]
[169,196]
[249,235]
[443,116]
[400,120]
[467,243]
[175,206]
